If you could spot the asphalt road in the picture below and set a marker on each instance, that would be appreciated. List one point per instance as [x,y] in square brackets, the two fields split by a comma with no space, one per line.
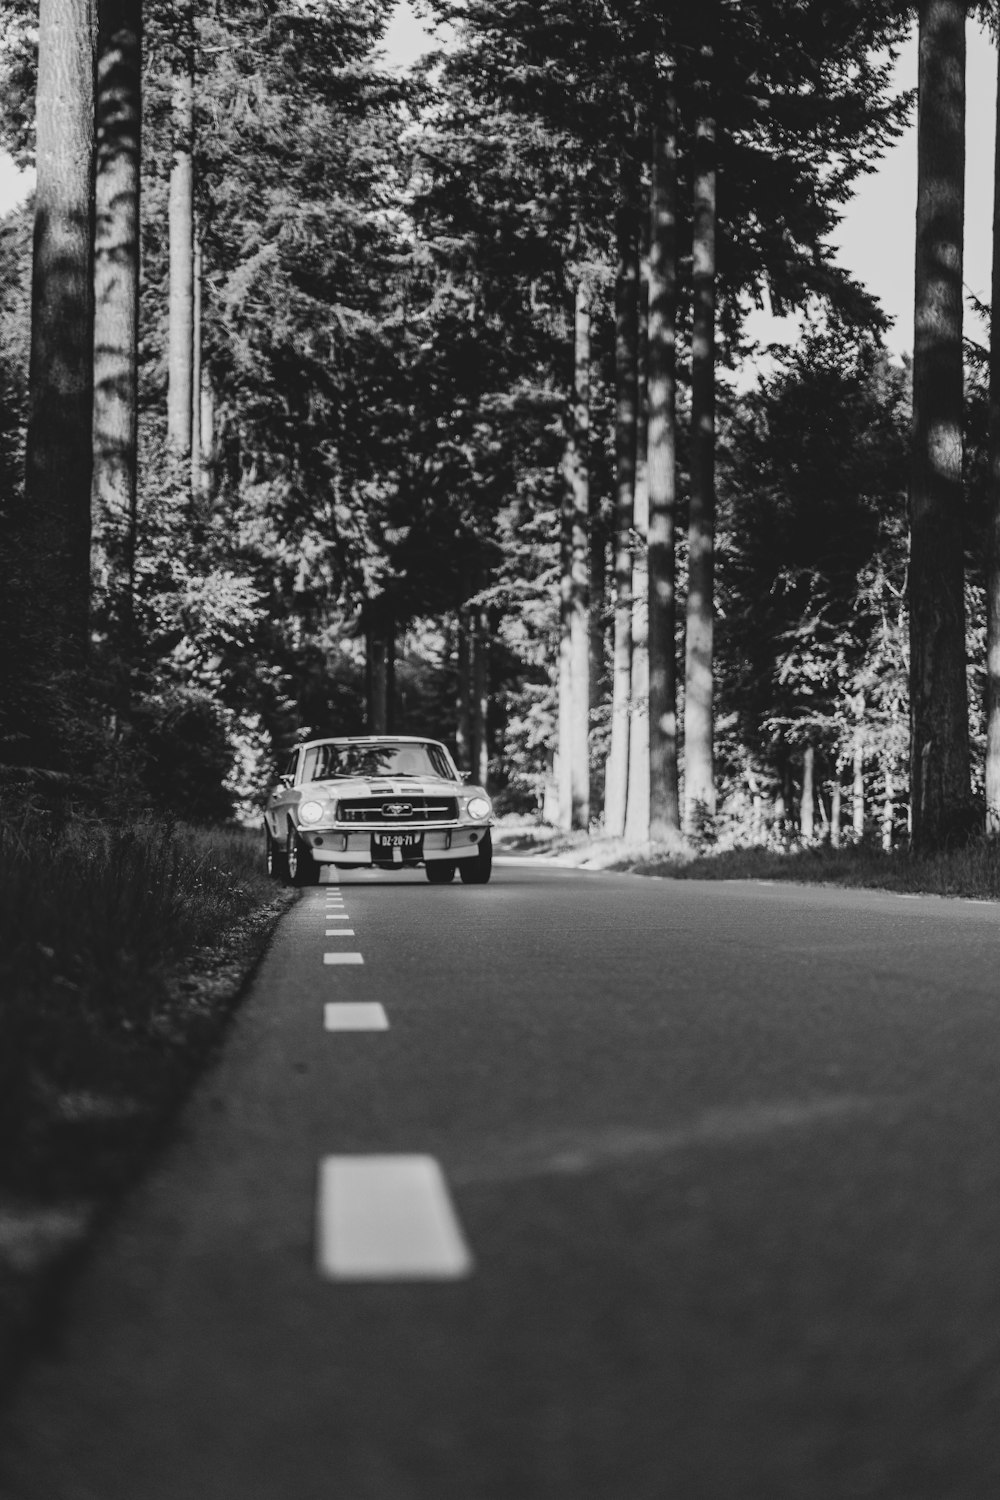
[706,1206]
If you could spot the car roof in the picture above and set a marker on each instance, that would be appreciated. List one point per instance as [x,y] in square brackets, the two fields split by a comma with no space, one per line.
[369,739]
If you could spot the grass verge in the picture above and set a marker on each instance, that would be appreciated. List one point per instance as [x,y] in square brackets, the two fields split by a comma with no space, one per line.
[972,870]
[123,951]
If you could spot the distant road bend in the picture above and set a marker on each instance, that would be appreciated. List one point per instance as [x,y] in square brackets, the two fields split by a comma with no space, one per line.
[570,1187]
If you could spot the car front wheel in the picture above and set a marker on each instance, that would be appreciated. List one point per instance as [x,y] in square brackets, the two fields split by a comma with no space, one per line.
[302,868]
[440,871]
[274,857]
[478,871]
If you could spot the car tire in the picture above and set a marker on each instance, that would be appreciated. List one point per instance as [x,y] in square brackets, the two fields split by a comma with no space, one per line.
[301,867]
[274,858]
[440,871]
[478,871]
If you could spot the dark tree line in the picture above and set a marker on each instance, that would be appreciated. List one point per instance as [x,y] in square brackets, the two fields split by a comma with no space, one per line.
[358,401]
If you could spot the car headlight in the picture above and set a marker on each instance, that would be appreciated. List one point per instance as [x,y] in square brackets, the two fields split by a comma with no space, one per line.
[310,812]
[478,807]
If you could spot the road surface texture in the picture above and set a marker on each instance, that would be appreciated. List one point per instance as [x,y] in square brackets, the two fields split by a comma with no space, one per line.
[570,1187]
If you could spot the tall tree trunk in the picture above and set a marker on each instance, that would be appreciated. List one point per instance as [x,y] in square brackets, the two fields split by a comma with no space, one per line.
[380,663]
[579,455]
[699,767]
[756,806]
[824,817]
[206,432]
[48,627]
[563,755]
[574,746]
[939,726]
[637,801]
[59,459]
[196,370]
[116,313]
[780,809]
[480,697]
[993,559]
[887,808]
[807,806]
[180,346]
[787,794]
[664,808]
[836,810]
[626,401]
[858,787]
[597,591]
[463,726]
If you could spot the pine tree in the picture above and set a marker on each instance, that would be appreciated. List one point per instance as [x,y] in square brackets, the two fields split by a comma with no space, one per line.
[180,355]
[699,769]
[992,772]
[116,313]
[812,630]
[638,798]
[939,747]
[664,806]
[626,403]
[48,626]
[574,653]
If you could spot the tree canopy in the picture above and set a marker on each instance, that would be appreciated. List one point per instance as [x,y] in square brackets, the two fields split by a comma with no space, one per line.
[386,273]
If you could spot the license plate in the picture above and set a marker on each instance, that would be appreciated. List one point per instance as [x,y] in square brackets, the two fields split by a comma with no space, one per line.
[396,840]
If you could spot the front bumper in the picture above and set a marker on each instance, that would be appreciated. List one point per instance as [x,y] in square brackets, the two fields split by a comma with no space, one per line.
[335,846]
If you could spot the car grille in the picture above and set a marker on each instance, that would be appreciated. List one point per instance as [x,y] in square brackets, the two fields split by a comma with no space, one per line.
[402,812]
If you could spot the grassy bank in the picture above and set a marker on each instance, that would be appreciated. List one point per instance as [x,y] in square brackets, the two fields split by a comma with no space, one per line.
[122,952]
[972,870]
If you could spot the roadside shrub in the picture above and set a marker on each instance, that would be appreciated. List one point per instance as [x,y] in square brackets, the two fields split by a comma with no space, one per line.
[972,870]
[93,918]
[182,738]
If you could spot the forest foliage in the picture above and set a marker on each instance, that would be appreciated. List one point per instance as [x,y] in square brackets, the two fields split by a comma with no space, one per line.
[369,532]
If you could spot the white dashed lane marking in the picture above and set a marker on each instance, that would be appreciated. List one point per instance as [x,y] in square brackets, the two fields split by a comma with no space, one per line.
[342,958]
[387,1218]
[337,916]
[354,1015]
[340,932]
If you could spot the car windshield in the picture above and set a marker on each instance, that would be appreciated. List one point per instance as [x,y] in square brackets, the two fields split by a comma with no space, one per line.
[334,761]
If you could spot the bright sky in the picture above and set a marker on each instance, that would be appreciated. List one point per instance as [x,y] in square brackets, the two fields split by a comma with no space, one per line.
[13,184]
[407,37]
[876,237]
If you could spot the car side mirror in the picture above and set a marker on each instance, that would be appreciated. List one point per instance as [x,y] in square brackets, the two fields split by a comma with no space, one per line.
[466,776]
[285,782]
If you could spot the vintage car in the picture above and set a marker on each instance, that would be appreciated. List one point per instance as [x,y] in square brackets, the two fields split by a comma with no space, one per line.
[388,802]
